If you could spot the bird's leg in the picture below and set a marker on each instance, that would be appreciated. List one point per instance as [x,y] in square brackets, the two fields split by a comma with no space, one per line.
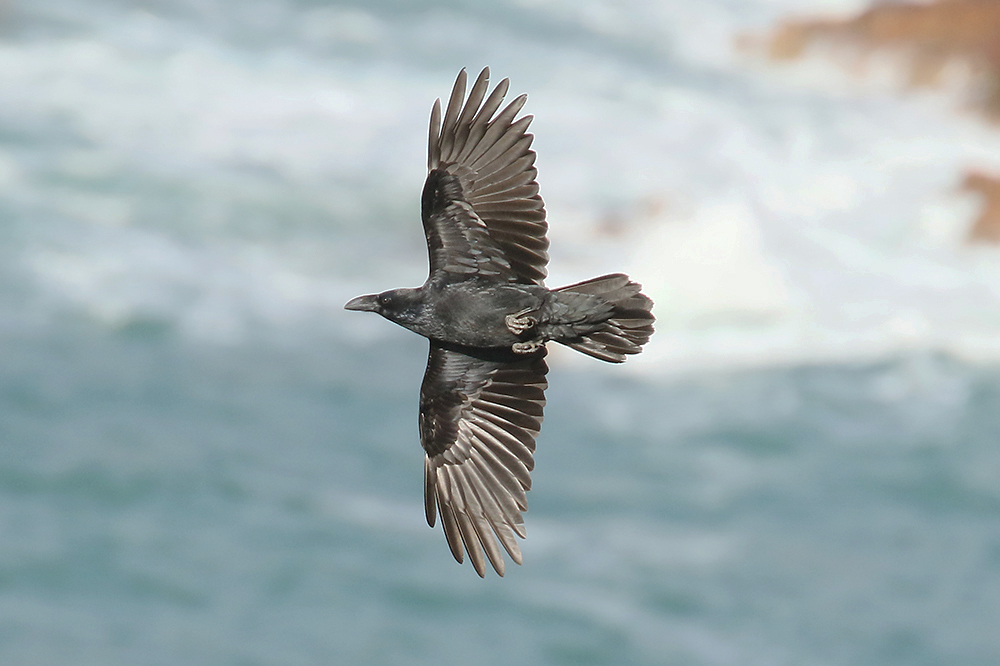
[519,322]
[529,347]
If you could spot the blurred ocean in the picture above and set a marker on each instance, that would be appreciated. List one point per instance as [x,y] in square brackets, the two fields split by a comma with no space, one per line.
[205,461]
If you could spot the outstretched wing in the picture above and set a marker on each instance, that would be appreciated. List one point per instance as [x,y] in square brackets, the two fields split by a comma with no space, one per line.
[481,209]
[479,416]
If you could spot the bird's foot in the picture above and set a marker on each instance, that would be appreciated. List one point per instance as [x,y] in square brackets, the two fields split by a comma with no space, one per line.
[519,322]
[529,347]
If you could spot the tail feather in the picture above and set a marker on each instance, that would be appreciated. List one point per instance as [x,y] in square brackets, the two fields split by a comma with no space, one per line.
[628,328]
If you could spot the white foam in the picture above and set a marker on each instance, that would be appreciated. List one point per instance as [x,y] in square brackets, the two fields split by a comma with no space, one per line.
[772,221]
[803,223]
[200,106]
[223,131]
[710,268]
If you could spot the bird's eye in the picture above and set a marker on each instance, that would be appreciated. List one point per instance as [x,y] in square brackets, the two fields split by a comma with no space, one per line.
[384,299]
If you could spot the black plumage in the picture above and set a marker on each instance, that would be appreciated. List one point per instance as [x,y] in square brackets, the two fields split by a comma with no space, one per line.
[487,314]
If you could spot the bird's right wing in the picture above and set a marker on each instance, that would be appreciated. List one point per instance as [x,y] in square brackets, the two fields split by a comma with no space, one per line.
[479,416]
[481,209]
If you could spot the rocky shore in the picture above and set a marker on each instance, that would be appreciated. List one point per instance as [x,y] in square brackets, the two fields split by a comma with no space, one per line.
[931,42]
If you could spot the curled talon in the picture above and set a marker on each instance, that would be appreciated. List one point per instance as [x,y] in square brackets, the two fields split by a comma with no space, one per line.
[529,347]
[519,322]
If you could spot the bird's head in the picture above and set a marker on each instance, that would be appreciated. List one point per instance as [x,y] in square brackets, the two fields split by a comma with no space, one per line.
[399,305]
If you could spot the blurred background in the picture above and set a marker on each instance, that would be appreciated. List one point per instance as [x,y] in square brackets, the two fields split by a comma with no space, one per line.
[205,460]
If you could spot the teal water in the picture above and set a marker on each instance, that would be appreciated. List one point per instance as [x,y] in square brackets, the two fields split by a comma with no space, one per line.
[204,460]
[166,505]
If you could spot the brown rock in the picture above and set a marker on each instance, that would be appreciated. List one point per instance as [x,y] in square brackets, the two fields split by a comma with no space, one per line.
[987,227]
[930,35]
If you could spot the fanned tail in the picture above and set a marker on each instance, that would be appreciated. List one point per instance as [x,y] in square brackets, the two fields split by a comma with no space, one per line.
[629,326]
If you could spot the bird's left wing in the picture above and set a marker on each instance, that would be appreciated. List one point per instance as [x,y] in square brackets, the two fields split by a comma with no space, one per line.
[481,209]
[479,416]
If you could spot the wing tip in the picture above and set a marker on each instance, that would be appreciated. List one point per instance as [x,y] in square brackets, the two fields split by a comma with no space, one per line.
[434,136]
[430,492]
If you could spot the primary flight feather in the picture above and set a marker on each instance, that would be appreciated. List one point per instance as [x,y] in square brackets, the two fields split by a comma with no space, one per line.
[487,314]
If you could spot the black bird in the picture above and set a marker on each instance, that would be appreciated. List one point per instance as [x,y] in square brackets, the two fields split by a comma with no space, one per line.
[487,314]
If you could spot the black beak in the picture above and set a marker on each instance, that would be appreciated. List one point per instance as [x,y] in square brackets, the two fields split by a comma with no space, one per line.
[363,303]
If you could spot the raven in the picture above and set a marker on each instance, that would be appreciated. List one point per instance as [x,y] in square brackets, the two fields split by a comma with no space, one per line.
[487,314]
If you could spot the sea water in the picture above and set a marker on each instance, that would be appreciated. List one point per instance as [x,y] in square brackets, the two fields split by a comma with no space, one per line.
[205,460]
